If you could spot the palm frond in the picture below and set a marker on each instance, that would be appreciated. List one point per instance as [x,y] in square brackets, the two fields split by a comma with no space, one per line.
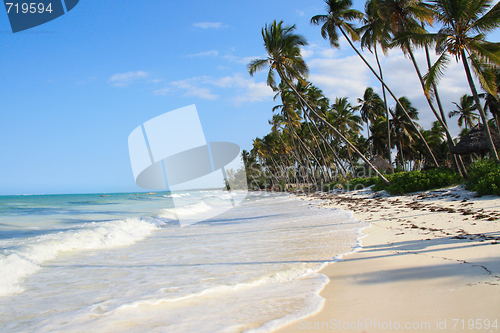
[435,73]
[485,73]
[318,19]
[418,39]
[257,65]
[486,50]
[350,30]
[490,21]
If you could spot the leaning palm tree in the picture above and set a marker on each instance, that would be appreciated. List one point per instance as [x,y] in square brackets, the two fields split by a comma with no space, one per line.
[492,102]
[284,58]
[339,13]
[404,19]
[374,32]
[463,35]
[346,121]
[465,112]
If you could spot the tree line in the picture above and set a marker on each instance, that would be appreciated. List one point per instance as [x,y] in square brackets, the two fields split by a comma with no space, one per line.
[315,140]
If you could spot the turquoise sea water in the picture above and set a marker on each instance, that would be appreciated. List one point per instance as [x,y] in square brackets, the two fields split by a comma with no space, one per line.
[122,263]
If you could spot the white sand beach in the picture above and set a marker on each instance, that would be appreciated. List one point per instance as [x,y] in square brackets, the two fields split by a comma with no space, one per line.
[430,263]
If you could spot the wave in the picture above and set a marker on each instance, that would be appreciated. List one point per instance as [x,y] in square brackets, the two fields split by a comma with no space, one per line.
[27,260]
[176,195]
[184,211]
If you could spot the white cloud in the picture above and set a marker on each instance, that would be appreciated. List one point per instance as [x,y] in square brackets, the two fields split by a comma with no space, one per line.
[244,89]
[125,79]
[243,60]
[255,92]
[212,53]
[346,77]
[329,53]
[401,77]
[162,92]
[208,25]
[306,52]
[192,90]
[249,90]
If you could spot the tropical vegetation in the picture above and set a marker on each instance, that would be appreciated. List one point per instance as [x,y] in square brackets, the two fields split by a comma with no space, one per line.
[316,141]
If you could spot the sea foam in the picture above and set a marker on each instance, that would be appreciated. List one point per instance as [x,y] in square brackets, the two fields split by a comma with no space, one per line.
[20,262]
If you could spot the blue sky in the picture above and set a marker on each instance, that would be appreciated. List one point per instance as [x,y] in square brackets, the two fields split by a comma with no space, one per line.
[74,88]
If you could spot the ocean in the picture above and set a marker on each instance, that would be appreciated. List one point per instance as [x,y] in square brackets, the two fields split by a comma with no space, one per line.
[123,263]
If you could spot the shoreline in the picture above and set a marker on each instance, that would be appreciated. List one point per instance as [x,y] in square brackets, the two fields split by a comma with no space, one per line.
[427,261]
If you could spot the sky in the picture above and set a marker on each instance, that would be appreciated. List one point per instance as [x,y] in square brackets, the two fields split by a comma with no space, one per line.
[73,89]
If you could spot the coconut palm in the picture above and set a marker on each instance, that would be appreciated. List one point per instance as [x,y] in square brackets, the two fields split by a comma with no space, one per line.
[342,114]
[405,19]
[339,12]
[492,102]
[315,98]
[283,49]
[463,35]
[371,107]
[403,129]
[465,112]
[346,121]
[378,139]
[373,33]
[292,115]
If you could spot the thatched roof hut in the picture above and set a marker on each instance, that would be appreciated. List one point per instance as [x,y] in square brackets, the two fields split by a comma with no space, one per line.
[380,163]
[476,141]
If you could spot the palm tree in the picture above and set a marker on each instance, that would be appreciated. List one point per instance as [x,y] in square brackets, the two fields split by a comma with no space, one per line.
[465,111]
[403,129]
[371,107]
[492,102]
[342,114]
[405,19]
[374,32]
[339,12]
[346,121]
[283,49]
[464,25]
[316,99]
[378,138]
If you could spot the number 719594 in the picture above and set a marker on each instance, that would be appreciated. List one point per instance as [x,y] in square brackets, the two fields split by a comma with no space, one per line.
[31,8]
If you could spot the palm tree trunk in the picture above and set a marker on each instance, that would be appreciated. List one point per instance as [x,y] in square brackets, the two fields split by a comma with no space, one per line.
[320,151]
[337,132]
[431,105]
[457,159]
[353,171]
[285,148]
[393,96]
[480,108]
[291,134]
[344,171]
[389,155]
[306,149]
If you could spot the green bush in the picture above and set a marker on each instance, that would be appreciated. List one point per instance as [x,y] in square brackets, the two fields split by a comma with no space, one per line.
[414,181]
[484,178]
